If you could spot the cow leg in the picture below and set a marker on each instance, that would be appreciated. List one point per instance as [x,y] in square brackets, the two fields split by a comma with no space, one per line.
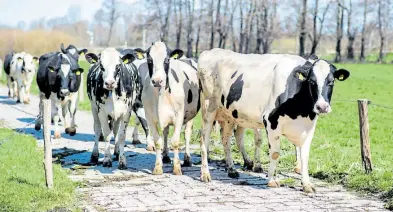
[274,153]
[187,135]
[308,187]
[175,142]
[116,130]
[121,137]
[56,117]
[73,106]
[158,146]
[106,131]
[257,154]
[10,87]
[208,119]
[165,157]
[135,134]
[97,132]
[66,113]
[27,98]
[226,141]
[239,135]
[21,91]
[38,121]
[298,167]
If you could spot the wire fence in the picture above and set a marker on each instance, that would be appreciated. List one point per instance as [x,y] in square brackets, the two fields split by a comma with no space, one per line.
[369,103]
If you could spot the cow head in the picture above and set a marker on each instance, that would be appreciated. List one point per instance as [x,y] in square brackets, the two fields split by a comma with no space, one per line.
[66,71]
[29,64]
[158,59]
[319,76]
[111,63]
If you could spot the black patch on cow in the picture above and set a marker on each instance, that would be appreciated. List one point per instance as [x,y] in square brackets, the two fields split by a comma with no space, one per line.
[235,91]
[199,101]
[233,75]
[186,75]
[234,114]
[299,97]
[7,63]
[189,96]
[174,75]
[222,99]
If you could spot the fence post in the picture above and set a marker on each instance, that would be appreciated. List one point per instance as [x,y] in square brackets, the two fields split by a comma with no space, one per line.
[364,135]
[47,143]
[81,91]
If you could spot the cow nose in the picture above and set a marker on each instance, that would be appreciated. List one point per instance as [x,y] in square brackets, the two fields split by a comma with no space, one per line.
[64,92]
[156,82]
[323,107]
[109,83]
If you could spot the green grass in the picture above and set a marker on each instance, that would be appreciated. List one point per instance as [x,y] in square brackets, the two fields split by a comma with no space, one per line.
[22,181]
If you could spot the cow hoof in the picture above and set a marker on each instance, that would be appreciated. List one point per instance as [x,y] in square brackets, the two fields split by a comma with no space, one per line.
[150,148]
[67,130]
[309,188]
[107,162]
[187,161]
[248,164]
[57,135]
[94,159]
[158,170]
[273,184]
[257,168]
[122,163]
[232,173]
[177,169]
[166,159]
[205,177]
[26,102]
[37,127]
[101,138]
[71,131]
[117,155]
[298,170]
[17,101]
[135,142]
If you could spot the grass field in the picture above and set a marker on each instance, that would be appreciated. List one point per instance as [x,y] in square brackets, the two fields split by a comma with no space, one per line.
[335,155]
[22,181]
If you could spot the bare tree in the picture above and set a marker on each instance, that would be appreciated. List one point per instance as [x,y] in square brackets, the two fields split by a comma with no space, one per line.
[223,24]
[199,28]
[351,33]
[339,30]
[212,30]
[190,7]
[317,33]
[110,7]
[383,16]
[179,21]
[303,33]
[164,18]
[265,21]
[245,32]
[363,40]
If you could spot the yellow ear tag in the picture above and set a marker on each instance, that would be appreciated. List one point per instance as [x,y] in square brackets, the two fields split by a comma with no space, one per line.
[301,77]
[140,55]
[125,61]
[51,70]
[341,77]
[175,55]
[78,73]
[94,61]
[19,59]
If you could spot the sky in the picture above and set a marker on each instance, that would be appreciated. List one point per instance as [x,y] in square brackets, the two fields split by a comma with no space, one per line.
[14,11]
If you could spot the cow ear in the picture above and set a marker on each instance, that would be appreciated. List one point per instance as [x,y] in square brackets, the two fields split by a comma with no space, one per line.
[91,58]
[82,52]
[128,58]
[139,53]
[78,71]
[35,60]
[62,48]
[177,54]
[19,59]
[341,74]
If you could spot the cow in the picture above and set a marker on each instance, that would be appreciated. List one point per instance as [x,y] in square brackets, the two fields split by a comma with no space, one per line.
[281,93]
[171,98]
[58,79]
[114,90]
[20,69]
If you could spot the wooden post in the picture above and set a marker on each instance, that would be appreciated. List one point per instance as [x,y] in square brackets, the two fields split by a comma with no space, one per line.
[81,91]
[364,135]
[47,143]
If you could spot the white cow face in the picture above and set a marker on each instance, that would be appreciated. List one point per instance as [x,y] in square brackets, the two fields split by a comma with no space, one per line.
[29,64]
[158,60]
[111,63]
[320,80]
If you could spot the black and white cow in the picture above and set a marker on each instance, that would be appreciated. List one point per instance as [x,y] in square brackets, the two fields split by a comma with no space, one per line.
[282,93]
[114,90]
[20,69]
[59,78]
[171,97]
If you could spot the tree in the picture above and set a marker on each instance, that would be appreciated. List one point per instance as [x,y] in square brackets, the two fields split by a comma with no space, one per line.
[211,11]
[351,33]
[317,33]
[199,28]
[339,30]
[303,33]
[223,24]
[383,16]
[179,21]
[265,19]
[164,18]
[363,40]
[110,11]
[190,5]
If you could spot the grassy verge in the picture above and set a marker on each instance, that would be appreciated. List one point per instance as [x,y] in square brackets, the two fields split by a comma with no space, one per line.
[22,181]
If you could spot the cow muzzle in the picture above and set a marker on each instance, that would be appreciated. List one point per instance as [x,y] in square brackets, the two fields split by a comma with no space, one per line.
[64,92]
[110,84]
[157,82]
[322,107]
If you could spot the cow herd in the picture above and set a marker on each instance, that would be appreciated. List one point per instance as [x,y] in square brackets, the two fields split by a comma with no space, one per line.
[280,93]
